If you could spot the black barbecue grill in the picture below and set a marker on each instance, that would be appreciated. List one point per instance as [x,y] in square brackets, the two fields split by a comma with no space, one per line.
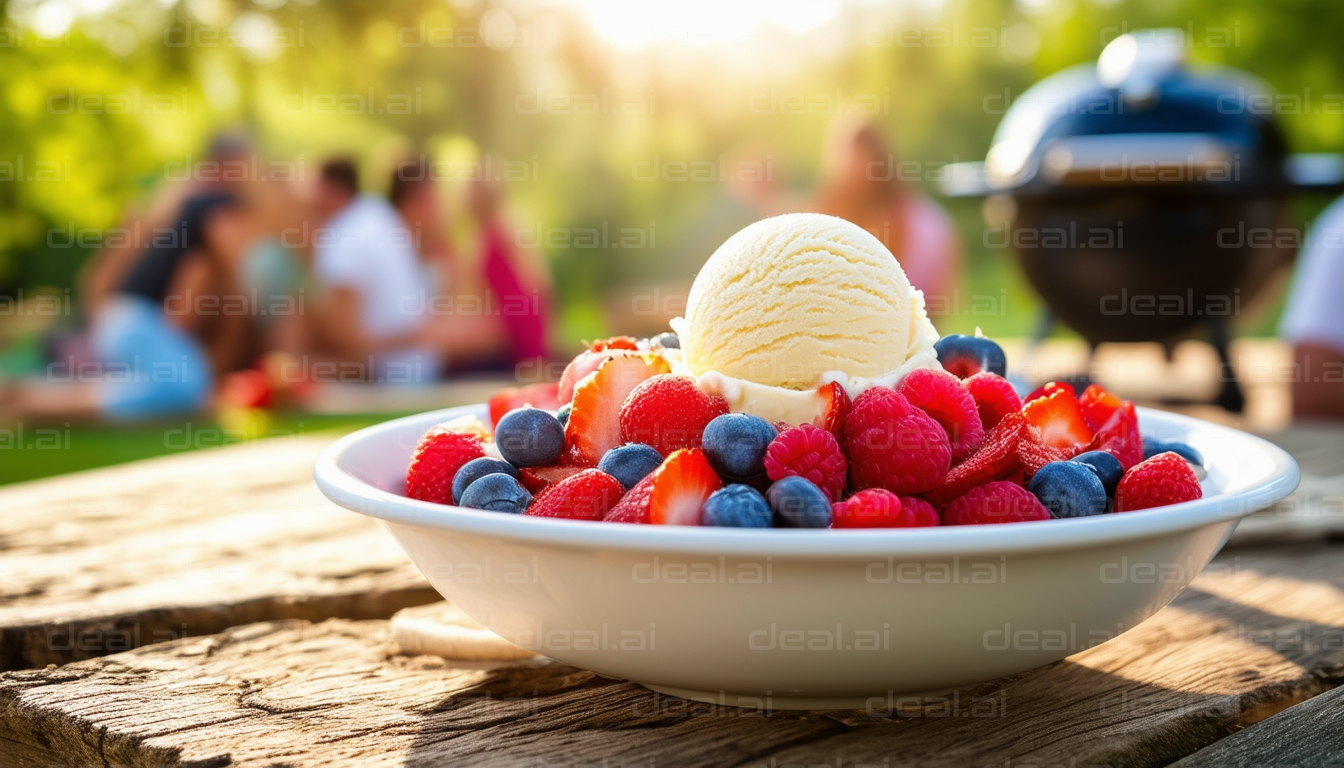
[1145,199]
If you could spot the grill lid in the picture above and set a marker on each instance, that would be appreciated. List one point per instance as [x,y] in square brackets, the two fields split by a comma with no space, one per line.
[1143,115]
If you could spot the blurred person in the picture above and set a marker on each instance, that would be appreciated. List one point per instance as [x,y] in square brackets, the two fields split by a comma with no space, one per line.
[378,303]
[1313,320]
[521,286]
[160,338]
[860,183]
[517,305]
[217,172]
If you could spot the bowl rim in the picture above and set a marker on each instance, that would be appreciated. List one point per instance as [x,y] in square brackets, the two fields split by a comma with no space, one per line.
[354,494]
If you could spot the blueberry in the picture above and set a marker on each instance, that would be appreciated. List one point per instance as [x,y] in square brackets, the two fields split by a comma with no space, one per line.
[562,415]
[799,504]
[1069,489]
[736,506]
[529,437]
[1153,447]
[1107,467]
[630,463]
[476,469]
[966,356]
[666,341]
[497,493]
[735,444]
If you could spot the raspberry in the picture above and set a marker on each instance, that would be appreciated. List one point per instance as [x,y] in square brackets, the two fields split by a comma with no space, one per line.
[922,511]
[997,502]
[994,397]
[880,508]
[1164,479]
[941,396]
[437,458]
[809,452]
[587,495]
[997,459]
[668,412]
[894,445]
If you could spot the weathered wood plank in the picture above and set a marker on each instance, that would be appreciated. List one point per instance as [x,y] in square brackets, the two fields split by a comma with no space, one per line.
[295,693]
[102,561]
[1259,632]
[1309,735]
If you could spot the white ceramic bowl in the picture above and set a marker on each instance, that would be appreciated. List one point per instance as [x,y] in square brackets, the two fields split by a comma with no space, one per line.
[809,619]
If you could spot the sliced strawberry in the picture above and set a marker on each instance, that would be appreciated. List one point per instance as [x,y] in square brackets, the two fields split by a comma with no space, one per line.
[680,487]
[542,395]
[1060,420]
[672,494]
[1120,437]
[832,407]
[996,459]
[1033,452]
[614,342]
[594,419]
[1097,405]
[538,479]
[1049,388]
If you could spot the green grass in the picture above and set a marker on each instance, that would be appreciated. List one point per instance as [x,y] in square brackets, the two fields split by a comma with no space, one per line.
[30,452]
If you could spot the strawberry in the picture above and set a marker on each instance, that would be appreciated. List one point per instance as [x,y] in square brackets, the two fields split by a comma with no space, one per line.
[994,397]
[1097,405]
[438,456]
[1033,452]
[996,459]
[669,413]
[670,495]
[594,425]
[587,495]
[1060,420]
[1049,388]
[1164,479]
[542,395]
[1120,437]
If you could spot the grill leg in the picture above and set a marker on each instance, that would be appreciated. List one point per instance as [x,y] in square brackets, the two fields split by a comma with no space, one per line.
[1230,396]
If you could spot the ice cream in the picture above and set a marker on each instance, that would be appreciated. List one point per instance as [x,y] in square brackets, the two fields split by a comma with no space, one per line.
[796,301]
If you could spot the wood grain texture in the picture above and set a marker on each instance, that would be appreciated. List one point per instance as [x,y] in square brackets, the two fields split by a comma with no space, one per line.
[1309,735]
[103,561]
[1256,634]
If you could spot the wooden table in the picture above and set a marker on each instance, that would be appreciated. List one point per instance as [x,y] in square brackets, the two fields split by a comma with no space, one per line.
[211,609]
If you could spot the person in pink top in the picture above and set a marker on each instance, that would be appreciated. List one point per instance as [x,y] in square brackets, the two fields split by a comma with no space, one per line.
[862,181]
[510,293]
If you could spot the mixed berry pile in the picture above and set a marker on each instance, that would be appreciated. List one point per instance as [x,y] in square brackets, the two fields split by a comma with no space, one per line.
[620,438]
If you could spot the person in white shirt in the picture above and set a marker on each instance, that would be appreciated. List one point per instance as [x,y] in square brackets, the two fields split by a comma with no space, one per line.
[379,306]
[1313,319]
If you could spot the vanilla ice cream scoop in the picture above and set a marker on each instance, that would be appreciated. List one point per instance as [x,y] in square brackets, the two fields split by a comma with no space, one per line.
[797,300]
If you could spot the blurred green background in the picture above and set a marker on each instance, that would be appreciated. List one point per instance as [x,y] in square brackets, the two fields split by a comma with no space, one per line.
[102,100]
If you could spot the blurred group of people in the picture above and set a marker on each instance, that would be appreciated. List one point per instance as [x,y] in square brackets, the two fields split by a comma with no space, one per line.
[220,270]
